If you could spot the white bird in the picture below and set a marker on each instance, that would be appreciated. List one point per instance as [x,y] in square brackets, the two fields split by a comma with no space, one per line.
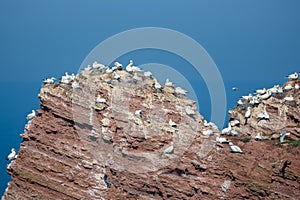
[49,80]
[31,115]
[221,139]
[293,76]
[240,102]
[130,68]
[189,111]
[261,91]
[234,122]
[207,132]
[274,89]
[234,88]
[248,97]
[75,85]
[227,129]
[172,124]
[148,74]
[12,155]
[297,86]
[88,68]
[233,132]
[117,76]
[169,150]
[157,86]
[138,113]
[288,87]
[168,83]
[263,115]
[290,98]
[282,136]
[180,91]
[235,148]
[258,137]
[97,65]
[247,114]
[280,90]
[135,78]
[255,100]
[66,78]
[118,65]
[99,99]
[266,95]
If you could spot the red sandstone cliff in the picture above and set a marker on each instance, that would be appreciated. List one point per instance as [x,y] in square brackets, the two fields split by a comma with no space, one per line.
[76,148]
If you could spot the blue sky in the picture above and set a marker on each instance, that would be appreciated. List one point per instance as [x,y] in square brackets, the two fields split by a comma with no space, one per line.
[254,44]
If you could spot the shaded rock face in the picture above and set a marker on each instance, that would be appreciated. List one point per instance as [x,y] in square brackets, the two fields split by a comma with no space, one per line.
[77,148]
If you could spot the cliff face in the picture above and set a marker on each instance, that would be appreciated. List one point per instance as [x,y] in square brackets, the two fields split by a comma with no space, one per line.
[122,145]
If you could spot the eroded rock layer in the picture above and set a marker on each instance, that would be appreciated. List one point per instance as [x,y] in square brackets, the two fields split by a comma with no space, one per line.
[123,145]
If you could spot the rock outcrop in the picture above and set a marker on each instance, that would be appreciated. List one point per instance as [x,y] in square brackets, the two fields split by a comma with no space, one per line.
[122,146]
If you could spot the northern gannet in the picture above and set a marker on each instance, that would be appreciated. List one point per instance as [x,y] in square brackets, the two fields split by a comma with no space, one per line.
[87,68]
[274,89]
[282,136]
[247,114]
[258,137]
[293,76]
[31,115]
[172,124]
[234,122]
[180,91]
[297,86]
[99,99]
[49,80]
[255,100]
[66,78]
[234,88]
[207,132]
[261,91]
[235,148]
[263,115]
[157,86]
[233,132]
[189,111]
[169,150]
[168,83]
[266,95]
[97,65]
[117,76]
[290,98]
[248,97]
[138,113]
[227,129]
[130,68]
[148,74]
[12,155]
[221,139]
[75,85]
[288,87]
[118,65]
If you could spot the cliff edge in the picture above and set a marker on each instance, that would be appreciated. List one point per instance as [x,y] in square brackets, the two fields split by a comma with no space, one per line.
[112,134]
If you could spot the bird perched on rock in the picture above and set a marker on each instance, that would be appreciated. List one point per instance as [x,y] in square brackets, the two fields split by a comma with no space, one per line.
[49,80]
[157,87]
[289,98]
[148,74]
[99,99]
[261,91]
[75,85]
[130,68]
[258,137]
[169,83]
[282,136]
[227,129]
[117,76]
[293,76]
[97,65]
[180,91]
[169,150]
[207,132]
[247,114]
[234,122]
[235,148]
[31,115]
[171,123]
[138,113]
[189,111]
[221,139]
[288,87]
[118,65]
[12,155]
[263,115]
[297,86]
